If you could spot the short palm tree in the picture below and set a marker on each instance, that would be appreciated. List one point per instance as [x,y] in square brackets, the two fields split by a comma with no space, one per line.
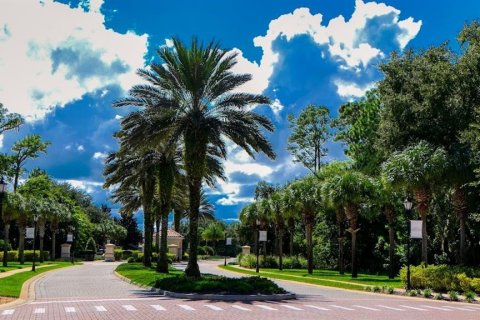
[278,218]
[190,100]
[213,232]
[14,206]
[350,189]
[417,168]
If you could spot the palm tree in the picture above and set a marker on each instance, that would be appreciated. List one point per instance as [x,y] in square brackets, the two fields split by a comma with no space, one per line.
[417,168]
[349,189]
[278,218]
[59,212]
[191,100]
[249,216]
[308,198]
[214,232]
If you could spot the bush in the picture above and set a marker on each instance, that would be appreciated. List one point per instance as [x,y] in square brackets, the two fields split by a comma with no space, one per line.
[443,278]
[439,296]
[377,289]
[269,262]
[295,263]
[9,247]
[411,293]
[28,255]
[118,253]
[427,293]
[470,296]
[391,290]
[368,289]
[247,261]
[218,284]
[453,295]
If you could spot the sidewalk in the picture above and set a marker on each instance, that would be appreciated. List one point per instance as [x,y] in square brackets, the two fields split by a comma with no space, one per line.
[28,268]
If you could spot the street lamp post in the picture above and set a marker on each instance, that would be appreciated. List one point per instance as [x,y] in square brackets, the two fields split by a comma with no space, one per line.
[35,219]
[3,189]
[225,251]
[73,239]
[257,247]
[408,209]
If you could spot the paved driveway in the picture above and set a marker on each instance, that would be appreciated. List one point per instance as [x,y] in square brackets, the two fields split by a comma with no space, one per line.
[92,291]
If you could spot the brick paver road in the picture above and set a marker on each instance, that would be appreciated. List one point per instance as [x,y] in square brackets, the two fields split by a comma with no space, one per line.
[92,291]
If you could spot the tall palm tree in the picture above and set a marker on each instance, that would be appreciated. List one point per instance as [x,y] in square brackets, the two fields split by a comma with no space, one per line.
[214,232]
[58,213]
[192,102]
[308,197]
[417,168]
[278,218]
[349,189]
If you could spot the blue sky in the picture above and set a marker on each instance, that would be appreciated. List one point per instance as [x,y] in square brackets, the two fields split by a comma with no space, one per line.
[62,64]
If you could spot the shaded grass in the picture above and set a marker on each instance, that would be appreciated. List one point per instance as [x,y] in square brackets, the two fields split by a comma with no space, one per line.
[17,265]
[12,285]
[323,277]
[176,281]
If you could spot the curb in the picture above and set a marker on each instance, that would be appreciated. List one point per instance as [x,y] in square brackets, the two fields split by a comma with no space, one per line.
[395,296]
[217,297]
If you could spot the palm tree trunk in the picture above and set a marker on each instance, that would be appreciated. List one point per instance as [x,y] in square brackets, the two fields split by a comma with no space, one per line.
[422,197]
[459,200]
[157,233]
[351,212]
[309,234]
[22,221]
[177,216]
[280,249]
[162,263]
[147,246]
[340,217]
[6,234]
[390,215]
[192,269]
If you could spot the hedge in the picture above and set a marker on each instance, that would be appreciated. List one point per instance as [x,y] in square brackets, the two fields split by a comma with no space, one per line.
[28,254]
[443,278]
[250,261]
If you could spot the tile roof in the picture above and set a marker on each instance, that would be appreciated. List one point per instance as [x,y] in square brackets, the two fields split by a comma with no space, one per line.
[173,234]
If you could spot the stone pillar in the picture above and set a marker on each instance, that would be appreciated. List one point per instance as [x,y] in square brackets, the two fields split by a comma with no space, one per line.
[109,252]
[173,249]
[245,250]
[65,253]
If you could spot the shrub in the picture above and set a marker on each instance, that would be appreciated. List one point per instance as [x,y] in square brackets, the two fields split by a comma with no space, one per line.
[248,261]
[411,293]
[376,289]
[443,277]
[427,293]
[126,254]
[118,253]
[391,290]
[453,295]
[368,289]
[295,263]
[28,255]
[269,262]
[439,296]
[201,251]
[470,296]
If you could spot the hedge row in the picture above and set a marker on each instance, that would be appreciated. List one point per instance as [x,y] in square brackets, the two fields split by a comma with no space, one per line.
[13,255]
[443,278]
[250,261]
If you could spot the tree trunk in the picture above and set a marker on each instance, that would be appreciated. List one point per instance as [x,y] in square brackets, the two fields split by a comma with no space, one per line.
[309,232]
[459,200]
[351,212]
[390,215]
[157,233]
[280,249]
[195,164]
[340,217]
[148,189]
[41,236]
[6,233]
[162,264]
[54,240]
[177,217]
[22,222]
[422,197]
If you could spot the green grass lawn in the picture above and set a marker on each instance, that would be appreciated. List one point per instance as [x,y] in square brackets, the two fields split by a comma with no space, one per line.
[12,285]
[324,277]
[175,281]
[17,265]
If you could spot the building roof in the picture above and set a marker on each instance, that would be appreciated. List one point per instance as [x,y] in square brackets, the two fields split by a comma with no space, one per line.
[173,234]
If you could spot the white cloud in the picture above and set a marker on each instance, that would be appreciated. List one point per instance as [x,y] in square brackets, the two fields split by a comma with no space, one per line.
[351,89]
[55,54]
[80,148]
[231,200]
[99,155]
[341,37]
[277,107]
[118,117]
[86,185]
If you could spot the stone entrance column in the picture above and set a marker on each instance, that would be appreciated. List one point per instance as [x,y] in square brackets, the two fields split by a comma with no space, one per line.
[109,252]
[65,252]
[245,250]
[173,249]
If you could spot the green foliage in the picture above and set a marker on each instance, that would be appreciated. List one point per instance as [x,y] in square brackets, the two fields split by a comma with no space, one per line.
[427,293]
[453,295]
[13,255]
[390,290]
[439,296]
[443,278]
[470,296]
[310,132]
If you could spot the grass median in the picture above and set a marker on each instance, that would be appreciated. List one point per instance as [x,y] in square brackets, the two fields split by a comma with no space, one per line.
[323,277]
[12,285]
[176,281]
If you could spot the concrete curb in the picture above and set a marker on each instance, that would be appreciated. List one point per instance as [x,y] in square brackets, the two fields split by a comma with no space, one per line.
[216,297]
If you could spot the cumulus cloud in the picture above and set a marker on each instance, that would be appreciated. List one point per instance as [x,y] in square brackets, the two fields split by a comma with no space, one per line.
[85,185]
[54,54]
[99,155]
[352,90]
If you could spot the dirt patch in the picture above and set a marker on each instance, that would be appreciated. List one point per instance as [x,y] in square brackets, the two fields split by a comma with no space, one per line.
[6,300]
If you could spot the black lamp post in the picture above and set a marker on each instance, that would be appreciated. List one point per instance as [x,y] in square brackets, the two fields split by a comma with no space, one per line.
[3,189]
[72,255]
[35,219]
[225,250]
[408,209]
[257,246]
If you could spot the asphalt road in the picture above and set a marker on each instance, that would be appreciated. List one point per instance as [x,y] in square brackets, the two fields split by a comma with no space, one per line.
[92,291]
